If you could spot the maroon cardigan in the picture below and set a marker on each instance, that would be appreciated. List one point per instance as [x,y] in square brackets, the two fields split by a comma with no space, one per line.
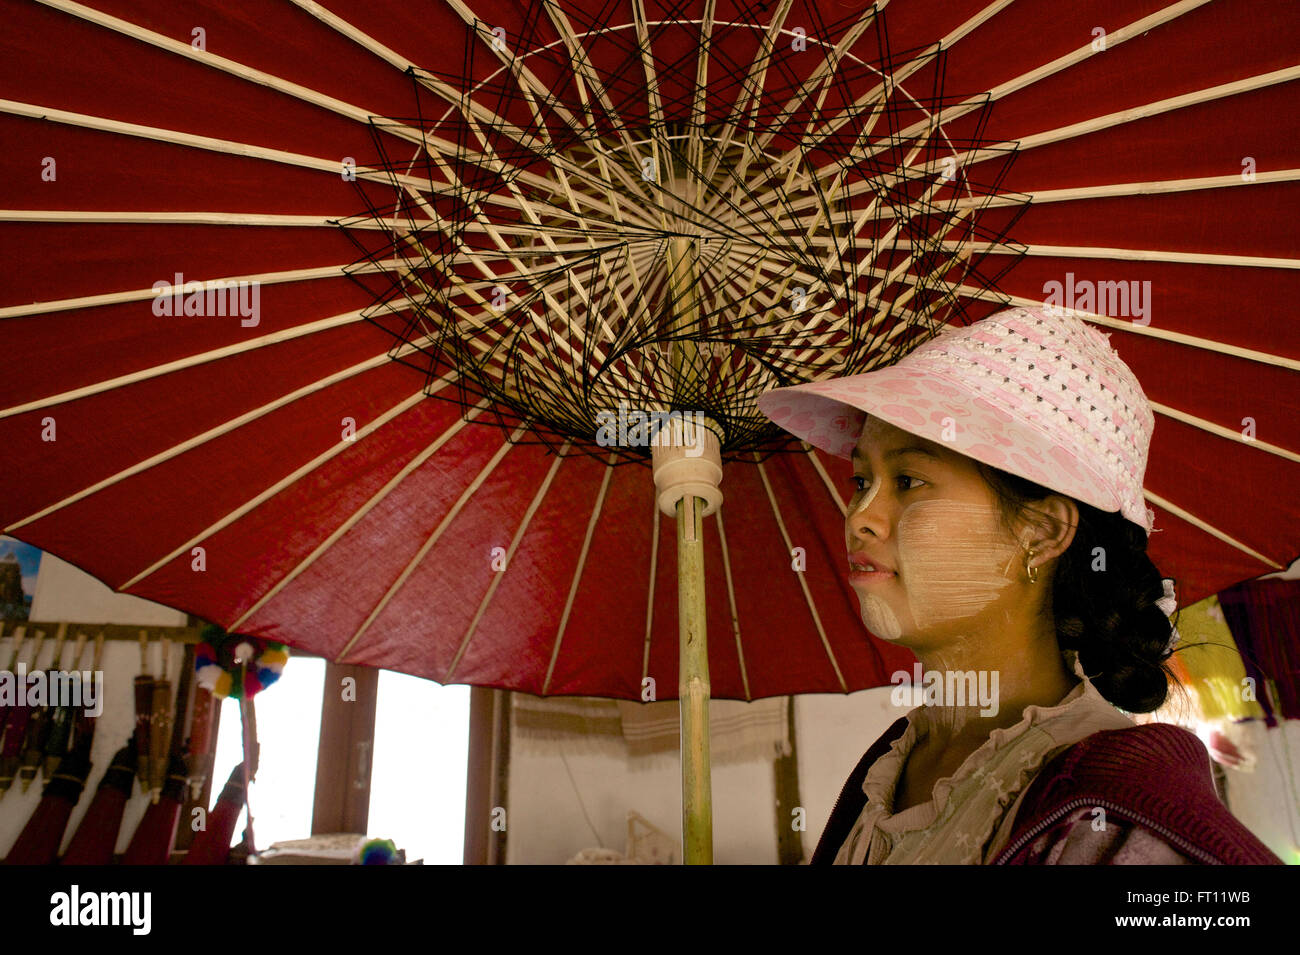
[1156,776]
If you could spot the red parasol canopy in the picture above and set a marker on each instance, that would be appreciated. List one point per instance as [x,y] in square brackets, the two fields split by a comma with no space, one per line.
[278,474]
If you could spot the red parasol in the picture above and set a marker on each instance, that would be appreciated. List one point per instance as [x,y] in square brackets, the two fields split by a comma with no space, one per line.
[211,845]
[144,691]
[63,718]
[272,464]
[155,837]
[97,832]
[40,721]
[1156,139]
[197,757]
[16,725]
[160,728]
[7,708]
[38,843]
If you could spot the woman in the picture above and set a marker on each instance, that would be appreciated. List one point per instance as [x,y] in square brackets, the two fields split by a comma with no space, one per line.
[998,529]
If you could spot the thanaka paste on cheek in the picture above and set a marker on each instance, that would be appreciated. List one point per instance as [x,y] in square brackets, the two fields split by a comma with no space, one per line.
[953,559]
[879,618]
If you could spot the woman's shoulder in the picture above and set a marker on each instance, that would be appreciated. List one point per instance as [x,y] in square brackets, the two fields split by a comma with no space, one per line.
[1119,793]
[1087,837]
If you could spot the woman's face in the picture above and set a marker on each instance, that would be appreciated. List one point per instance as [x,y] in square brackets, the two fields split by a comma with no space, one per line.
[945,566]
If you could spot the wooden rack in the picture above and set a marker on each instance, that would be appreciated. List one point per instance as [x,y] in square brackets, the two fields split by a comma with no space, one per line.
[111,631]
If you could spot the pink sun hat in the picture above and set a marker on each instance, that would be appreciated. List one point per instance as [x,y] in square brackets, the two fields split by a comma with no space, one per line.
[1035,392]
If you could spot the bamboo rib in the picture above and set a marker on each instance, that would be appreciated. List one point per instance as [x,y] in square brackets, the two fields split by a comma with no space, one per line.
[812,608]
[510,555]
[1060,195]
[465,496]
[759,202]
[826,479]
[650,592]
[592,522]
[139,295]
[895,275]
[217,431]
[130,217]
[358,114]
[546,239]
[355,517]
[479,263]
[701,83]
[367,42]
[177,138]
[597,355]
[731,600]
[187,50]
[530,85]
[832,61]
[825,70]
[274,489]
[653,101]
[191,361]
[1123,255]
[559,161]
[584,69]
[1127,325]
[1125,189]
[1073,58]
[1210,529]
[810,324]
[751,90]
[215,61]
[1222,432]
[915,63]
[1119,118]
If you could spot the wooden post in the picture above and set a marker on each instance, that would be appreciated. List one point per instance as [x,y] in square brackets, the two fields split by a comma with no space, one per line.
[789,840]
[344,757]
[693,684]
[488,773]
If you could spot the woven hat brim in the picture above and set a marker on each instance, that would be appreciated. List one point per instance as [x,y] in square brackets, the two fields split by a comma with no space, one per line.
[830,414]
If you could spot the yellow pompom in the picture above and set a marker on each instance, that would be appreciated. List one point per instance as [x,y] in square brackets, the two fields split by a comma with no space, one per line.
[273,658]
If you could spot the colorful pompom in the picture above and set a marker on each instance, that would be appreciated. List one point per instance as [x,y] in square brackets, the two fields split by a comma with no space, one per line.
[377,852]
[260,663]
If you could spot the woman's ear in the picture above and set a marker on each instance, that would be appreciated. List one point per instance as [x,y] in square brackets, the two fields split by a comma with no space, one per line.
[1051,531]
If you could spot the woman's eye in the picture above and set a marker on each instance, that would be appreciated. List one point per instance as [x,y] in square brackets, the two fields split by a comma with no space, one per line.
[861,483]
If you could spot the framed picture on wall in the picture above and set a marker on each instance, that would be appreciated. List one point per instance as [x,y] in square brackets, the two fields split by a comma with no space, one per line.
[19,563]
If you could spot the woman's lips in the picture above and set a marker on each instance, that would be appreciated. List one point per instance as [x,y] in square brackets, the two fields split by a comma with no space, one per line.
[863,569]
[860,575]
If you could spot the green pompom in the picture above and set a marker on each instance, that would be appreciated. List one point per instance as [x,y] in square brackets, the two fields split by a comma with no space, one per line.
[378,852]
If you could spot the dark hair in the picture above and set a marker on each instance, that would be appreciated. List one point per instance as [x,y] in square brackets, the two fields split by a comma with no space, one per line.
[1109,617]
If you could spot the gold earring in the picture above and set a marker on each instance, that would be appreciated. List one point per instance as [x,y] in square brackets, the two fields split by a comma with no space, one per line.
[1029,569]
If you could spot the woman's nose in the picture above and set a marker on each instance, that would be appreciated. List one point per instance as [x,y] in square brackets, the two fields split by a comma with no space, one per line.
[868,518]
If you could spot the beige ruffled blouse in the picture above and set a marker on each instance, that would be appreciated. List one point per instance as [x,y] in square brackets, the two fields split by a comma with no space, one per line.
[970,816]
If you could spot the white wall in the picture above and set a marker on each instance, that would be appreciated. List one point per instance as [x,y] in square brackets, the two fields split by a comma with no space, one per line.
[546,822]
